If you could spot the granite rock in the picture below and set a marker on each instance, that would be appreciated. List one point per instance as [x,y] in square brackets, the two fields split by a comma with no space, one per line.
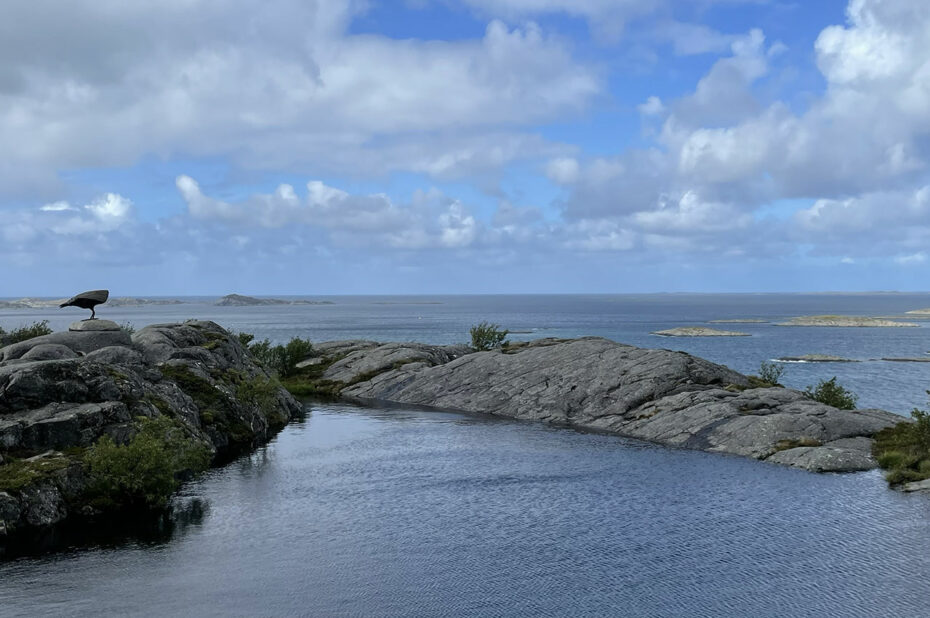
[662,396]
[68,389]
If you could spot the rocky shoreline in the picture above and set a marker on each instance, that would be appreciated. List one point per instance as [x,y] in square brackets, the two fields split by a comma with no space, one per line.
[662,396]
[698,331]
[846,321]
[61,393]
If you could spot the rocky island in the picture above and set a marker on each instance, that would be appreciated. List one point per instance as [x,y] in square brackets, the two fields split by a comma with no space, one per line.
[848,321]
[698,331]
[815,358]
[238,300]
[119,301]
[661,396]
[68,395]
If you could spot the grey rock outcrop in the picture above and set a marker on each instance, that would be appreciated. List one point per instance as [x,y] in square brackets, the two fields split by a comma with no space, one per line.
[816,358]
[698,331]
[364,360]
[662,396]
[846,321]
[63,391]
[93,325]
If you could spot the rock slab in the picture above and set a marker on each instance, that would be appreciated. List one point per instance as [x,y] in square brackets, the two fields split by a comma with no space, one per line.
[662,396]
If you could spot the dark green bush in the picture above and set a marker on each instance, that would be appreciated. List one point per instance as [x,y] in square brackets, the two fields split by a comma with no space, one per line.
[281,359]
[832,394]
[487,336]
[904,450]
[36,329]
[145,472]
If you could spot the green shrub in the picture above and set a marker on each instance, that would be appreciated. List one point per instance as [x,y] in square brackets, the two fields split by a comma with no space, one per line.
[16,474]
[895,459]
[832,394]
[128,328]
[281,359]
[771,372]
[23,333]
[487,336]
[904,450]
[769,375]
[144,472]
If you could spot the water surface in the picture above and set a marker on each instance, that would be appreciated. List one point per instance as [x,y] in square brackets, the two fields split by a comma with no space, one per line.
[396,512]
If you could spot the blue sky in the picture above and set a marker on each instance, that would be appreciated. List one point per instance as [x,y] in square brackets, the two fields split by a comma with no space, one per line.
[469,146]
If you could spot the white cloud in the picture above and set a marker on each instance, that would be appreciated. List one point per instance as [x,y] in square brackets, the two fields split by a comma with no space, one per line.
[284,87]
[652,107]
[858,153]
[563,170]
[912,259]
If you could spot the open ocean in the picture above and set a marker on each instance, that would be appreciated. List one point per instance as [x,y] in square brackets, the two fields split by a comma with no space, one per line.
[357,511]
[898,387]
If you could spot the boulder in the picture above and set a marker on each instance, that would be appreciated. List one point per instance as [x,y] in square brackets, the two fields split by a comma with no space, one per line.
[48,351]
[366,361]
[87,326]
[79,342]
[923,485]
[657,395]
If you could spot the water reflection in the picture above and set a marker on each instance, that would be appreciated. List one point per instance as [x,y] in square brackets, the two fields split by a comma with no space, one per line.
[140,529]
[386,512]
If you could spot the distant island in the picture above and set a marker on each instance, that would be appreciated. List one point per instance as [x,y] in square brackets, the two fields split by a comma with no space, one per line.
[238,300]
[120,301]
[698,331]
[815,358]
[846,321]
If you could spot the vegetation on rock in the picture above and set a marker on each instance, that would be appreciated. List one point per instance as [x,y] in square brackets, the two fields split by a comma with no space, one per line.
[904,450]
[281,359]
[769,375]
[16,474]
[832,394]
[144,472]
[487,336]
[23,333]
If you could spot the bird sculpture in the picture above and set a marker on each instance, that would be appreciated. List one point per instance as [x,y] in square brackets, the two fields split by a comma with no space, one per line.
[88,300]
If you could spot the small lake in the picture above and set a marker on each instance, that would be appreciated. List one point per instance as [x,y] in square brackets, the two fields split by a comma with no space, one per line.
[394,512]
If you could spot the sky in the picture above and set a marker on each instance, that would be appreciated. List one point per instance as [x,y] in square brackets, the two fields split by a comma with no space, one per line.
[310,147]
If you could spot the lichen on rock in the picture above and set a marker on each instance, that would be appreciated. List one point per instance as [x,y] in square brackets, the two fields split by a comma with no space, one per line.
[61,393]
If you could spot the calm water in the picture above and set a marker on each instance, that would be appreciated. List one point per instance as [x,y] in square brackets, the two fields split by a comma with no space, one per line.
[387,512]
[371,512]
[898,387]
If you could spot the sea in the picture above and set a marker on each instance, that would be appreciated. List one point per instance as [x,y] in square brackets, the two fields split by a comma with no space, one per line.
[394,511]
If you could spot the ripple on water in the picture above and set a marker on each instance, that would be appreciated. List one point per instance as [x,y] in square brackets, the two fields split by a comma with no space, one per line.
[401,512]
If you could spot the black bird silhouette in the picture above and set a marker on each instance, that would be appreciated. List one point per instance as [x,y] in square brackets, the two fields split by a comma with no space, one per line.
[88,300]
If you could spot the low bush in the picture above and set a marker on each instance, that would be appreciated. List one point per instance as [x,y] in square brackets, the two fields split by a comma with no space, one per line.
[23,333]
[769,375]
[487,336]
[832,394]
[144,472]
[904,450]
[280,359]
[771,372]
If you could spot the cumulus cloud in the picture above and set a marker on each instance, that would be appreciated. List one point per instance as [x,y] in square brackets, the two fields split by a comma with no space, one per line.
[430,220]
[858,154]
[284,87]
